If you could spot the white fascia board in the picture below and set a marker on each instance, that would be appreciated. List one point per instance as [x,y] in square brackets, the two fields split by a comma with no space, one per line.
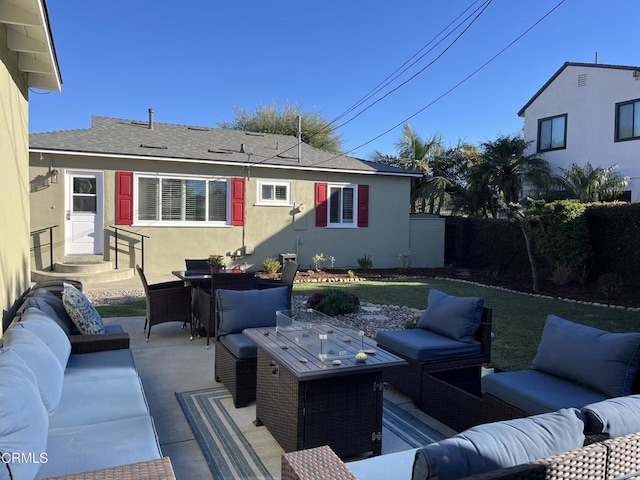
[219,162]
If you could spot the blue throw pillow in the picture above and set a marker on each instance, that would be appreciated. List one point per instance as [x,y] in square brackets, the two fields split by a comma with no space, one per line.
[79,308]
[500,445]
[604,361]
[615,417]
[453,317]
[240,309]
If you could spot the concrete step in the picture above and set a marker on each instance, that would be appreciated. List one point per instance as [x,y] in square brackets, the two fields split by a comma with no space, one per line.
[89,273]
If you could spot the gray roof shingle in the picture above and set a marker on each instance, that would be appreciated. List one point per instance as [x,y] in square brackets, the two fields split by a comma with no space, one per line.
[134,139]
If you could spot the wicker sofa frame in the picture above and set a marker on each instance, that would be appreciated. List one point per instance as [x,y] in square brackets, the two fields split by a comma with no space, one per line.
[609,459]
[408,378]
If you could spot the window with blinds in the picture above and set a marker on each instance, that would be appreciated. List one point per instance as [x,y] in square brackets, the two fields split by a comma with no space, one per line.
[341,205]
[182,201]
[274,193]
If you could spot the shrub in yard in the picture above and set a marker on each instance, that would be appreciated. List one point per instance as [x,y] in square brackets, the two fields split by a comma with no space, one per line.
[334,302]
[365,262]
[611,284]
[412,322]
[271,265]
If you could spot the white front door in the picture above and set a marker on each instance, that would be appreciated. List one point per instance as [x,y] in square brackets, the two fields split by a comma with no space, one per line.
[83,220]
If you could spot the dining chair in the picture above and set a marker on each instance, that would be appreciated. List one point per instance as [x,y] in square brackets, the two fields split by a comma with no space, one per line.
[166,302]
[287,276]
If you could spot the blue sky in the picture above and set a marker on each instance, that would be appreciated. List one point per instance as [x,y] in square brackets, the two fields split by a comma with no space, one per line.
[195,61]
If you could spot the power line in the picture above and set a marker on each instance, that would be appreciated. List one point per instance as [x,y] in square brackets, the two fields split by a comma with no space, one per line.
[464,80]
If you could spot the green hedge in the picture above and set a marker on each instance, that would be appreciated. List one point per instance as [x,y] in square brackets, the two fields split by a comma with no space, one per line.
[484,242]
[614,234]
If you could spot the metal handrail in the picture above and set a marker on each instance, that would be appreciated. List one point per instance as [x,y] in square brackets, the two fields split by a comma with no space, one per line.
[142,237]
[36,232]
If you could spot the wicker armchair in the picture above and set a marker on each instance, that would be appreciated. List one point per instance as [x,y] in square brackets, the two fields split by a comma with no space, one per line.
[166,302]
[408,378]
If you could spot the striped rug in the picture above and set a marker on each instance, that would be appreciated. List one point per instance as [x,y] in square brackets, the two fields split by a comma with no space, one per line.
[236,449]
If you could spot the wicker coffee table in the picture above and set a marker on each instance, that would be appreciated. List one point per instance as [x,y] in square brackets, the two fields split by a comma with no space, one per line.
[306,400]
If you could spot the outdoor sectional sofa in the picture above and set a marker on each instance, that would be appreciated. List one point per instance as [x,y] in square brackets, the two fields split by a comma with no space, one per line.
[72,408]
[546,446]
[575,365]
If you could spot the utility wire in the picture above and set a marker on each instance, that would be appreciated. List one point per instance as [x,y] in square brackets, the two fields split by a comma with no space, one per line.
[472,74]
[480,9]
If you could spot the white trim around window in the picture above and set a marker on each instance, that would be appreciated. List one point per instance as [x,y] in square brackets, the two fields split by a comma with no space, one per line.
[342,206]
[274,193]
[181,201]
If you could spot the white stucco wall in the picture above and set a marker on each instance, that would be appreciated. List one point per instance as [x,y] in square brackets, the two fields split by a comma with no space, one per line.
[591,112]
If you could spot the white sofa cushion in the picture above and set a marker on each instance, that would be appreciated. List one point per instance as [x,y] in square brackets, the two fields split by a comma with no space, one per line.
[23,419]
[49,332]
[42,362]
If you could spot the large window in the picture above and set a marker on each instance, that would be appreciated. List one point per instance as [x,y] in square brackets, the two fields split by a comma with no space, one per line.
[182,201]
[274,193]
[342,201]
[552,133]
[628,120]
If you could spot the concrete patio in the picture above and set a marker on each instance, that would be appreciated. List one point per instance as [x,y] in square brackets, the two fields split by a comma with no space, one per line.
[171,363]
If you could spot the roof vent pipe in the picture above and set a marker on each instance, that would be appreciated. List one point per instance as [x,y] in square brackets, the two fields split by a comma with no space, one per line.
[242,148]
[151,119]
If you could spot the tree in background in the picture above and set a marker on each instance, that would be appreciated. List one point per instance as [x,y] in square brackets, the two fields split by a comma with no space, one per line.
[316,131]
[505,168]
[589,184]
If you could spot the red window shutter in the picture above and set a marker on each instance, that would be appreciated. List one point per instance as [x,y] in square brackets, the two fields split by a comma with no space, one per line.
[124,198]
[363,205]
[321,204]
[237,201]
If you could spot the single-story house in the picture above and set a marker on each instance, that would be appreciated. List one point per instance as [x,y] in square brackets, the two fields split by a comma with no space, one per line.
[588,112]
[191,191]
[27,60]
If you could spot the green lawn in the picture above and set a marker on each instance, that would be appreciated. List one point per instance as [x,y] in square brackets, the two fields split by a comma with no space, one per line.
[517,319]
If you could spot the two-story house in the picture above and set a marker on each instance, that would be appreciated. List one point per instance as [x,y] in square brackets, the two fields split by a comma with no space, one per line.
[588,112]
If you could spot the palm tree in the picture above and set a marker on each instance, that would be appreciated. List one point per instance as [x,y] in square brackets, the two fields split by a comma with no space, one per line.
[590,184]
[505,168]
[415,154]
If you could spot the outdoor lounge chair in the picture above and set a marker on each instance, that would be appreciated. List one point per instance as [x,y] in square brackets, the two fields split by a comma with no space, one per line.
[236,356]
[287,276]
[426,350]
[166,302]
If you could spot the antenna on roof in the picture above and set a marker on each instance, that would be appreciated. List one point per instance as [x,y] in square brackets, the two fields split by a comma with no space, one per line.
[299,138]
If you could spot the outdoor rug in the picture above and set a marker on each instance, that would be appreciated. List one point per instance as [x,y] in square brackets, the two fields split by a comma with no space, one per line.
[236,449]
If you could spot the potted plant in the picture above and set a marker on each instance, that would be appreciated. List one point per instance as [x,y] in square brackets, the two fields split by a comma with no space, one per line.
[216,262]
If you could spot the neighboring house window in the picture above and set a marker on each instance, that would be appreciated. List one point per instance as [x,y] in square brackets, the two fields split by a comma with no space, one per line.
[342,205]
[178,201]
[274,193]
[552,133]
[628,120]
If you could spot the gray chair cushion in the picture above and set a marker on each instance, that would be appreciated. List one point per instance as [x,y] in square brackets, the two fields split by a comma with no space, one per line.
[99,400]
[101,445]
[37,322]
[499,445]
[454,317]
[240,309]
[537,392]
[605,361]
[41,361]
[100,365]
[53,307]
[24,421]
[615,417]
[424,345]
[239,345]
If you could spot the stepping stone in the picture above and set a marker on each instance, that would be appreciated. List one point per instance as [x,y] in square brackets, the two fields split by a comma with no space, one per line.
[370,309]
